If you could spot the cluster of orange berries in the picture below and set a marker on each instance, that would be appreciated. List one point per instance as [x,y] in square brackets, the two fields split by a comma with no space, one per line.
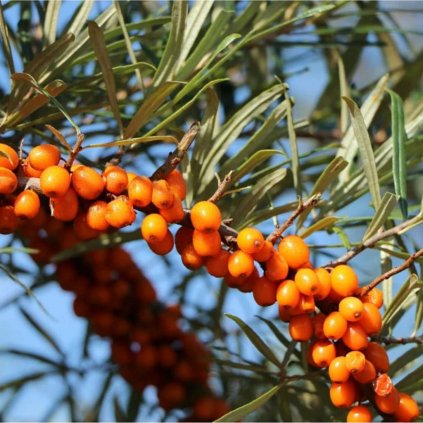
[337,337]
[147,342]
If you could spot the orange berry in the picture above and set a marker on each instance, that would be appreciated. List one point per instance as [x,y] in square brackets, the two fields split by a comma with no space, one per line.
[378,356]
[288,295]
[301,327]
[374,296]
[82,229]
[335,326]
[217,265]
[120,213]
[344,281]
[264,292]
[284,314]
[358,414]
[250,240]
[183,237]
[115,179]
[388,403]
[87,183]
[240,264]
[164,246]
[176,183]
[276,268]
[205,216]
[154,228]
[55,181]
[8,220]
[96,216]
[355,337]
[323,352]
[318,322]
[343,394]
[131,177]
[265,253]
[247,284]
[43,156]
[351,308]
[175,213]
[305,305]
[338,371]
[383,385]
[65,208]
[307,282]
[324,286]
[29,171]
[408,410]
[367,375]
[190,258]
[371,320]
[206,244]
[295,251]
[162,196]
[27,204]
[8,157]
[355,361]
[8,181]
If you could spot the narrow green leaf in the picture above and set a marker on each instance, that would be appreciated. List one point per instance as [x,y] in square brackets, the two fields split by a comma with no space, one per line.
[131,141]
[79,19]
[243,366]
[365,150]
[260,345]
[345,92]
[101,396]
[401,301]
[243,411]
[399,138]
[6,42]
[134,402]
[23,380]
[174,46]
[409,380]
[325,223]
[41,331]
[252,162]
[195,20]
[99,46]
[262,215]
[382,213]
[419,313]
[295,166]
[50,20]
[118,410]
[406,359]
[258,191]
[31,355]
[149,106]
[59,136]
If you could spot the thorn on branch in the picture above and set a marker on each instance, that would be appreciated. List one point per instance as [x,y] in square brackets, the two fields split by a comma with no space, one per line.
[221,189]
[391,341]
[178,154]
[309,203]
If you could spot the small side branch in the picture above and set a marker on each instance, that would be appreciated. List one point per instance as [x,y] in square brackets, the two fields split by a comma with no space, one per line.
[369,243]
[75,151]
[309,203]
[391,341]
[178,154]
[221,189]
[407,263]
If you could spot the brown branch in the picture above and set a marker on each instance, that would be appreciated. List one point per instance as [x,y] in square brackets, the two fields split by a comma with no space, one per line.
[390,341]
[178,154]
[407,263]
[75,151]
[369,243]
[310,202]
[221,189]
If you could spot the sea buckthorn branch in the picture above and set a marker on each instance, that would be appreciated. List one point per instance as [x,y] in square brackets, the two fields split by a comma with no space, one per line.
[310,202]
[221,189]
[390,341]
[369,243]
[407,263]
[178,154]
[75,151]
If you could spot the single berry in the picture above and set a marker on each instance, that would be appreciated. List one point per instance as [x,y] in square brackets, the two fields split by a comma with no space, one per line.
[344,281]
[206,243]
[43,156]
[87,183]
[276,268]
[65,208]
[240,264]
[205,216]
[307,282]
[8,181]
[264,292]
[120,213]
[295,251]
[217,265]
[338,371]
[162,196]
[55,181]
[250,240]
[8,157]
[351,308]
[301,327]
[115,179]
[27,204]
[335,326]
[154,228]
[355,361]
[343,394]
[288,295]
[358,414]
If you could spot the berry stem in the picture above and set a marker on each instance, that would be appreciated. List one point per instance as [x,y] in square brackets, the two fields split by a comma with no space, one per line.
[76,149]
[221,189]
[310,202]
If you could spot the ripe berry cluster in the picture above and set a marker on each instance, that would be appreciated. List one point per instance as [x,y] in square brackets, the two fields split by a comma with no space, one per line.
[337,336]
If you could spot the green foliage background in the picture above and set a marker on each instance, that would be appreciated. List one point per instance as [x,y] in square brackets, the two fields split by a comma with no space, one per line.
[139,73]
